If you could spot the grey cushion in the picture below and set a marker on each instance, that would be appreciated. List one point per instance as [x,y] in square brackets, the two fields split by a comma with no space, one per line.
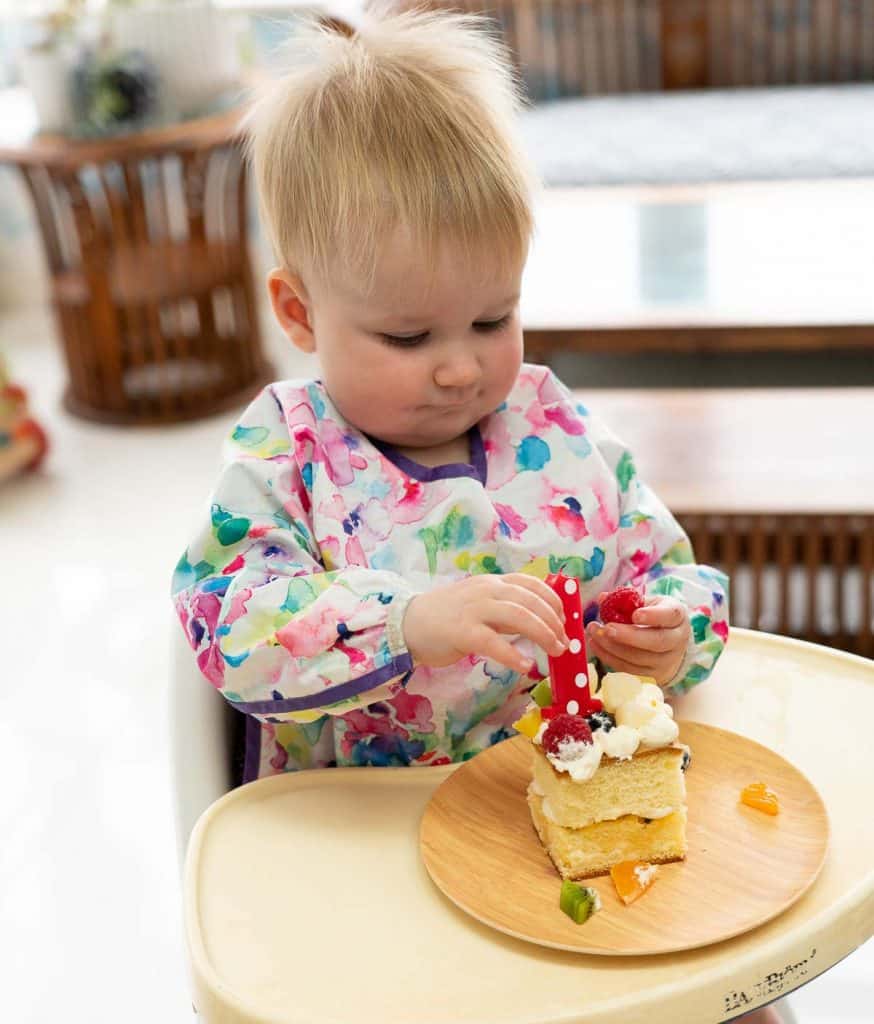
[716,135]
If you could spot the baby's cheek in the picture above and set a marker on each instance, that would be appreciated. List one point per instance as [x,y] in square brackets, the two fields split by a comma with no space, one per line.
[504,366]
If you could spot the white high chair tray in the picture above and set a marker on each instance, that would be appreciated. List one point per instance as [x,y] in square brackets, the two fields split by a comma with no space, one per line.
[306,899]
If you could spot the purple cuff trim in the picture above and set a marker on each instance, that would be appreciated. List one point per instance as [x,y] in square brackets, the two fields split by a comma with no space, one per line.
[331,694]
[476,468]
[252,762]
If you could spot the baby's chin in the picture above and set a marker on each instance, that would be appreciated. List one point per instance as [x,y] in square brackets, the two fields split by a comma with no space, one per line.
[434,429]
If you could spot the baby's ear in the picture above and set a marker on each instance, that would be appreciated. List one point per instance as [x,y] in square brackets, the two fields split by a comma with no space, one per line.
[291,307]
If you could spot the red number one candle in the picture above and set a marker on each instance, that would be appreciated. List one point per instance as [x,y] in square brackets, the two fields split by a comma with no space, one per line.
[569,673]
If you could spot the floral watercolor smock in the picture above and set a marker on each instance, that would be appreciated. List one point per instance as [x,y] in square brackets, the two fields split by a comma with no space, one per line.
[293,593]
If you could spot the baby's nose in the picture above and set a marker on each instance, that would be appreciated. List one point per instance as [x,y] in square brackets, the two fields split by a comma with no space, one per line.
[461,371]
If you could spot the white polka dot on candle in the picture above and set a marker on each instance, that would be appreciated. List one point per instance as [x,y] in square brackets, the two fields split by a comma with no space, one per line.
[575,646]
[581,679]
[570,586]
[572,707]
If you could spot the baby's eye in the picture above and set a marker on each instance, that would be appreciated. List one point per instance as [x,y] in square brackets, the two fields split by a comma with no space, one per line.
[404,342]
[487,326]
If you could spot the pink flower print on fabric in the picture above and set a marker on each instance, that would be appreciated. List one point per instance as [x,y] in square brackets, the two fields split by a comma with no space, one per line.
[366,526]
[500,455]
[355,552]
[238,605]
[565,417]
[514,522]
[567,518]
[310,634]
[720,628]
[413,500]
[360,725]
[206,610]
[414,710]
[290,481]
[642,561]
[340,462]
[603,523]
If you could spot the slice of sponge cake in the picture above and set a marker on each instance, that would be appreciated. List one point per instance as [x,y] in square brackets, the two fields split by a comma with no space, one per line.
[583,852]
[651,784]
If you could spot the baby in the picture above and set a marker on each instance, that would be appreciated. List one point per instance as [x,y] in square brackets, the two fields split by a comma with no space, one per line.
[369,586]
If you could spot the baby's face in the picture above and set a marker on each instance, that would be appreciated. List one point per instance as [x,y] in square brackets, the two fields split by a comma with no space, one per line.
[426,353]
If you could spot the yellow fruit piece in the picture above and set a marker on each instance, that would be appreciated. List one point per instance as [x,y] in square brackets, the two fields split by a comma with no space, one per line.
[529,723]
[632,878]
[758,796]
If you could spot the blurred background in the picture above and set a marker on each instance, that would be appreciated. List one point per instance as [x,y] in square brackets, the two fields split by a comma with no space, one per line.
[702,272]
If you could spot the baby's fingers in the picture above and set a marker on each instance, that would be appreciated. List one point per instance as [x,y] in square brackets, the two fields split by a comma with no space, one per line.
[620,657]
[508,617]
[539,589]
[653,639]
[490,645]
[664,612]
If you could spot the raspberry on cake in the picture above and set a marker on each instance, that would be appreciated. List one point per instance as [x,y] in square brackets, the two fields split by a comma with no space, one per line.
[609,788]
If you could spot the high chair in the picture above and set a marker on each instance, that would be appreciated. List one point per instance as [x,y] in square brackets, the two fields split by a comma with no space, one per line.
[201,728]
[201,724]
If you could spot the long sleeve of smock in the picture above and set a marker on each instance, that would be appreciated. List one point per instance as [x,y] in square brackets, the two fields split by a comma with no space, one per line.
[656,556]
[281,635]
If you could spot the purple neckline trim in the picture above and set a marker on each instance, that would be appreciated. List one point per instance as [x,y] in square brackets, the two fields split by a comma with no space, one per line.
[252,761]
[476,468]
[331,694]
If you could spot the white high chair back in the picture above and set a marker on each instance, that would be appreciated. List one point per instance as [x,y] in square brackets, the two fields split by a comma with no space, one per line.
[200,739]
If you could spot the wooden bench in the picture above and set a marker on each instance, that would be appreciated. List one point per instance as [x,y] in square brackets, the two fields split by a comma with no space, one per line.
[588,47]
[775,487]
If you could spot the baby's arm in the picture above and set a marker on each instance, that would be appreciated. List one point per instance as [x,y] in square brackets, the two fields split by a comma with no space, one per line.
[275,632]
[656,556]
[284,637]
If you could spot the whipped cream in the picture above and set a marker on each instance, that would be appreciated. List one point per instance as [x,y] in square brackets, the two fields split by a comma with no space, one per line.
[643,720]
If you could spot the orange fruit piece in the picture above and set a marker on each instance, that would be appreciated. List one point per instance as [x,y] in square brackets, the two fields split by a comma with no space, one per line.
[758,796]
[632,878]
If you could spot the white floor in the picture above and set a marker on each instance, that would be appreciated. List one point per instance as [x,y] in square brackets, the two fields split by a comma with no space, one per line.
[89,896]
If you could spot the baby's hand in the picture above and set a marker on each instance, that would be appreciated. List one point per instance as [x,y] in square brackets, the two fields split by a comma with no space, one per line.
[473,615]
[654,644]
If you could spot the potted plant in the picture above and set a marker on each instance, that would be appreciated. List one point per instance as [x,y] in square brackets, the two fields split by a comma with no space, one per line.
[45,63]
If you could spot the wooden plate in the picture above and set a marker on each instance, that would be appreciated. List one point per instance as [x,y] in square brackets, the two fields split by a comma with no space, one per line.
[743,867]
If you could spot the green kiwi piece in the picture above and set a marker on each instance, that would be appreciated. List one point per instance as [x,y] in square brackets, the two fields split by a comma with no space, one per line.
[579,902]
[541,694]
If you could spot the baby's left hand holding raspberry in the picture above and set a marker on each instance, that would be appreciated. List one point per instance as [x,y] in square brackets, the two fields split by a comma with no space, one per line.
[653,644]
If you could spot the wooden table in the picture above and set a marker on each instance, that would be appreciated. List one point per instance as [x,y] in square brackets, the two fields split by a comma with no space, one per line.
[709,268]
[306,899]
[775,486]
[146,240]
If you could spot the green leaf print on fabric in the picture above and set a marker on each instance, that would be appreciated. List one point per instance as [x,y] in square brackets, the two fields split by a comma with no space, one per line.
[667,585]
[249,437]
[299,739]
[303,590]
[185,574]
[679,554]
[700,624]
[454,532]
[625,471]
[231,531]
[584,569]
[478,565]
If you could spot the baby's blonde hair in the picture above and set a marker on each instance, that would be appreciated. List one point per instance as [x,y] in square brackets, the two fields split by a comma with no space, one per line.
[408,123]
